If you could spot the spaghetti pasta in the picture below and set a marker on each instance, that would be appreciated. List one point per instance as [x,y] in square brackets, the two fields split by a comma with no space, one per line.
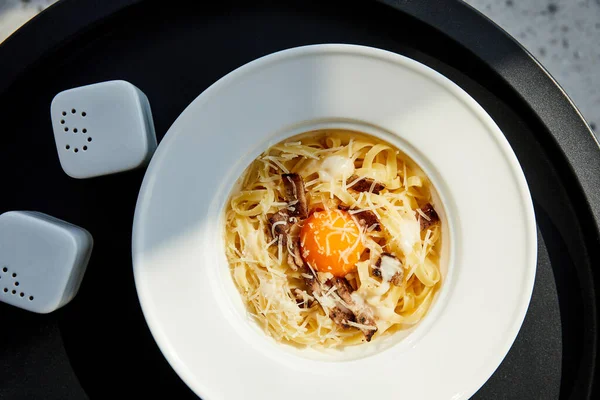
[364,263]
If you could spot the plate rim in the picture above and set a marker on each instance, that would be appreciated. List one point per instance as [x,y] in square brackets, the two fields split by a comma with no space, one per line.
[568,135]
[385,55]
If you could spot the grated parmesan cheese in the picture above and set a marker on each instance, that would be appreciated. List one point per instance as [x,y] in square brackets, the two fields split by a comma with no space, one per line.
[422,214]
[361,326]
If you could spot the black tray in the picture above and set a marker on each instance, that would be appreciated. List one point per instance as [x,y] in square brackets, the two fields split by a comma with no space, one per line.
[99,346]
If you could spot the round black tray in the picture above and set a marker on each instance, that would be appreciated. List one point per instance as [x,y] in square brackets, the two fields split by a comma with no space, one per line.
[99,346]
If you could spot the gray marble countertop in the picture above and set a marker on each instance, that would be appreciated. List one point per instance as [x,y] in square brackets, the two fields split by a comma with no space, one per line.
[564,35]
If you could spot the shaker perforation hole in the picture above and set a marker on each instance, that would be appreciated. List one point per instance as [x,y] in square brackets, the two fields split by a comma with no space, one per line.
[14,275]
[67,147]
[64,113]
[14,291]
[4,269]
[62,121]
[89,139]
[84,130]
[76,150]
[5,290]
[22,294]
[74,130]
[30,298]
[85,148]
[83,113]
[66,129]
[73,111]
[16,283]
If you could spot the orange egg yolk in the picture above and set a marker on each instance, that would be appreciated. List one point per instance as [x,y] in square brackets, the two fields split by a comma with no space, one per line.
[330,242]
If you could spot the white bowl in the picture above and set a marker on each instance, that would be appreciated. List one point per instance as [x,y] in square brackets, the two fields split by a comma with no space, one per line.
[181,273]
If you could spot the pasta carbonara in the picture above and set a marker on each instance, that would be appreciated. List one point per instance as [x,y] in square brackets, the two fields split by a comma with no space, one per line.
[332,240]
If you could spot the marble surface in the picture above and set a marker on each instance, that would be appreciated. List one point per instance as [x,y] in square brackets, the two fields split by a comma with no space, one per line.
[564,35]
[14,13]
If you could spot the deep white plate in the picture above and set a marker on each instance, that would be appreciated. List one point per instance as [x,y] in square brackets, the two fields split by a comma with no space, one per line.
[182,276]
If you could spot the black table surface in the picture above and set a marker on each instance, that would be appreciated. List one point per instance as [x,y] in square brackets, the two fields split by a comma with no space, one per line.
[99,345]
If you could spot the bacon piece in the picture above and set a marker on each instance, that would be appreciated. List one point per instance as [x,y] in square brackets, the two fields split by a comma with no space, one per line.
[295,259]
[365,185]
[343,207]
[295,194]
[362,314]
[430,212]
[280,225]
[339,313]
[368,219]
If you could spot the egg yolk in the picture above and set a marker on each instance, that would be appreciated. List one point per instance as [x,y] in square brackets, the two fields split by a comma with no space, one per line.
[330,242]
